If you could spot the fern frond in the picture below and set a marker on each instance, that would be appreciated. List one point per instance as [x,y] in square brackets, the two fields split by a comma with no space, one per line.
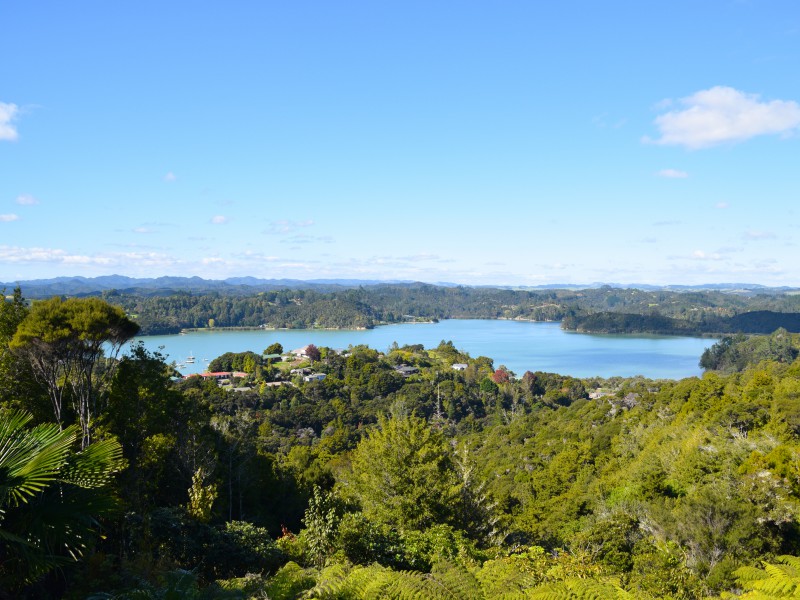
[505,579]
[580,589]
[776,580]
[456,580]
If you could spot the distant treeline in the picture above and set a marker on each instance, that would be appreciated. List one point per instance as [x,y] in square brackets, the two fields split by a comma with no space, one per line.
[605,309]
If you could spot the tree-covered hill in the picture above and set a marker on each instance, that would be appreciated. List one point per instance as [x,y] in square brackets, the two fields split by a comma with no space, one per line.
[604,309]
[757,321]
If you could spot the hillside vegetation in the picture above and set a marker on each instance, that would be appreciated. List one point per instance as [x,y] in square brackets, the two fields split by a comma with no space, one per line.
[372,483]
[598,310]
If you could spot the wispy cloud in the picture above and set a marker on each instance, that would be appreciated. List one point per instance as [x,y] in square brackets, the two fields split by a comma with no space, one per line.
[701,255]
[302,238]
[142,230]
[754,235]
[724,114]
[672,174]
[284,226]
[667,223]
[722,205]
[8,114]
[8,218]
[170,177]
[252,256]
[219,220]
[26,200]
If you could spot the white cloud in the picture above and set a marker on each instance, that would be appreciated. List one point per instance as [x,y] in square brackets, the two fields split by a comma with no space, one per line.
[142,230]
[219,220]
[672,174]
[26,200]
[8,218]
[721,205]
[724,114]
[58,256]
[8,113]
[170,177]
[15,254]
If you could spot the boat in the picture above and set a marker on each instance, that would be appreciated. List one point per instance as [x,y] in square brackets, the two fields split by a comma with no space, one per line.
[190,358]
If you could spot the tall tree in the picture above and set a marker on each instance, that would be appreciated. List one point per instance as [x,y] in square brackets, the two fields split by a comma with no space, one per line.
[18,389]
[64,342]
[403,475]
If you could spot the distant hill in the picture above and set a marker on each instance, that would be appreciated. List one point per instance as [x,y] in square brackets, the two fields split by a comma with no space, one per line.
[77,286]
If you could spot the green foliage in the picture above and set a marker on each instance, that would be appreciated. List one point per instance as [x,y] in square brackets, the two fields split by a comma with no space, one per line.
[657,488]
[610,540]
[364,542]
[582,589]
[173,585]
[274,348]
[289,582]
[321,523]
[515,577]
[251,548]
[777,579]
[64,341]
[201,497]
[18,387]
[49,496]
[605,308]
[236,361]
[402,475]
[170,539]
[446,582]
[660,570]
[735,353]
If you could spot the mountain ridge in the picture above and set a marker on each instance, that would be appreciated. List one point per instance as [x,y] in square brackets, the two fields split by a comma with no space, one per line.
[79,285]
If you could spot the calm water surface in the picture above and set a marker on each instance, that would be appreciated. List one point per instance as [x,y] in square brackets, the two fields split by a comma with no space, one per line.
[520,346]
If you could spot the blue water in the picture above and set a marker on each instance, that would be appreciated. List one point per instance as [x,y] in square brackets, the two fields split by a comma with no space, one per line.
[519,345]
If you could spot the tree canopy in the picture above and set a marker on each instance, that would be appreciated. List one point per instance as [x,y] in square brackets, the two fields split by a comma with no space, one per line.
[63,340]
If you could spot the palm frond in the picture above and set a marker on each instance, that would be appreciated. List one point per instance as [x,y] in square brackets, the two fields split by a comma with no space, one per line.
[30,460]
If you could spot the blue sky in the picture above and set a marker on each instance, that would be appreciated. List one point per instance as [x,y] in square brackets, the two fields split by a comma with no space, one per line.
[511,142]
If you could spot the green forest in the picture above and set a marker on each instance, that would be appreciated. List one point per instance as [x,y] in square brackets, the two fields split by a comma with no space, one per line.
[597,310]
[119,480]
